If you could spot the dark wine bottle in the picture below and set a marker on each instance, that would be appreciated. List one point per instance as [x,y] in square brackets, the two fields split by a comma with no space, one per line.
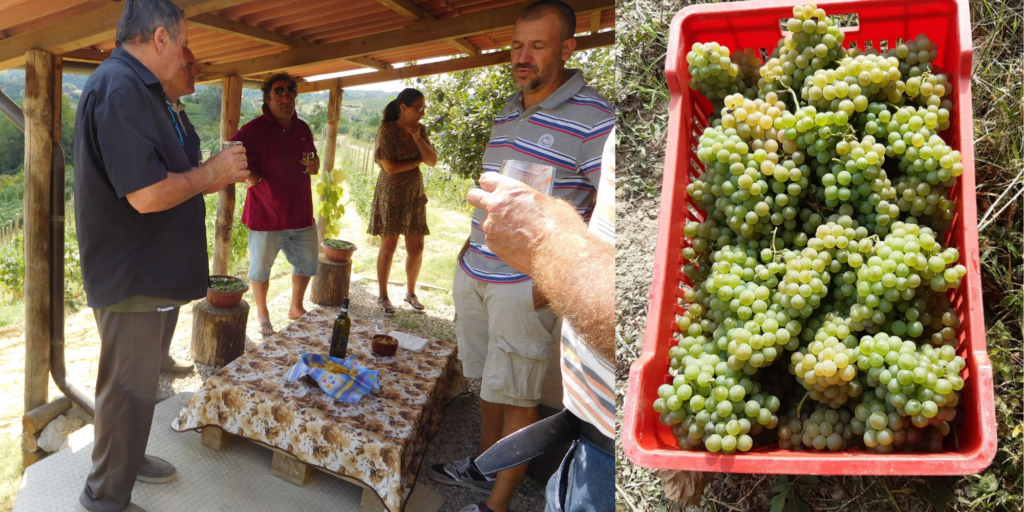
[339,337]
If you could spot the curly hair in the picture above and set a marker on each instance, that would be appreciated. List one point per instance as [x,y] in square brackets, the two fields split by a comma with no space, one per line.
[277,77]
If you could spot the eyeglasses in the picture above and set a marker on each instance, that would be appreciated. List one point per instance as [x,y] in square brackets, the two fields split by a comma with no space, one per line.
[292,90]
[419,109]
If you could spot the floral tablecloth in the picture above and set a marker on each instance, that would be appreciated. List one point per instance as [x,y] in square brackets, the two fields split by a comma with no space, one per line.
[379,441]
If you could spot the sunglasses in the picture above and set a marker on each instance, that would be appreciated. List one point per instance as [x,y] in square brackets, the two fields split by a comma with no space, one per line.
[292,90]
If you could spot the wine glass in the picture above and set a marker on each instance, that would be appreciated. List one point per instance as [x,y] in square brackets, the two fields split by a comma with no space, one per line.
[308,157]
[377,319]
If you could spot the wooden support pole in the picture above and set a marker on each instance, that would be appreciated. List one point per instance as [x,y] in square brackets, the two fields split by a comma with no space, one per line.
[230,107]
[39,101]
[330,147]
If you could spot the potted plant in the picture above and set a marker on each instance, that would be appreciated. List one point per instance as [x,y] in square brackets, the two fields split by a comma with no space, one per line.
[338,250]
[225,291]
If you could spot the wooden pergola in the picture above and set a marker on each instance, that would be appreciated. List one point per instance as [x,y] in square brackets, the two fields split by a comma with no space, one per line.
[233,41]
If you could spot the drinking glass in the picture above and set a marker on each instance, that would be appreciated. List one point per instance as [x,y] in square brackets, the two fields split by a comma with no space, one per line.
[229,143]
[308,157]
[204,155]
[377,319]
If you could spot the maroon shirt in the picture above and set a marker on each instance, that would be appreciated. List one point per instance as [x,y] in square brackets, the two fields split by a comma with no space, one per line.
[284,199]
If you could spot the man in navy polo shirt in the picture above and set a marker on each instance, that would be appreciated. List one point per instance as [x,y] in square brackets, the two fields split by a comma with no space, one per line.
[183,84]
[141,236]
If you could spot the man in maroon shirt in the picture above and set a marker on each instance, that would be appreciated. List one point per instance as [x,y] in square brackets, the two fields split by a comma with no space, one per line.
[279,201]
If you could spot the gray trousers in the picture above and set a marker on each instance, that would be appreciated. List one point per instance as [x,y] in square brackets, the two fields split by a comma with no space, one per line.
[126,386]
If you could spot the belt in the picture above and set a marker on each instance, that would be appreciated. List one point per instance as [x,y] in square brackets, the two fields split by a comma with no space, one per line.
[545,435]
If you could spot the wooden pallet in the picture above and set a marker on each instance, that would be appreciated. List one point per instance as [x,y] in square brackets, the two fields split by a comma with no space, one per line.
[287,467]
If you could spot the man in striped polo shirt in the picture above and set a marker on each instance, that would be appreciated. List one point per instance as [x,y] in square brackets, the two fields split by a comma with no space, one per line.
[503,324]
[520,227]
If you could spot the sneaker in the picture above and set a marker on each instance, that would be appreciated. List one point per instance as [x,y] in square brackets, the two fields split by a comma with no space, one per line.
[462,473]
[169,364]
[130,508]
[155,470]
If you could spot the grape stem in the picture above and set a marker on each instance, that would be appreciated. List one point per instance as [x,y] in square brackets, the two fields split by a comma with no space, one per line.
[795,97]
[801,404]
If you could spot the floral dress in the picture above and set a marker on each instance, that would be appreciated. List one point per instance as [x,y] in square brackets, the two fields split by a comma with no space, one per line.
[400,201]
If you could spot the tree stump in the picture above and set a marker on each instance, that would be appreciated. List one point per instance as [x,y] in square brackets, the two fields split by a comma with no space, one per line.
[330,284]
[218,335]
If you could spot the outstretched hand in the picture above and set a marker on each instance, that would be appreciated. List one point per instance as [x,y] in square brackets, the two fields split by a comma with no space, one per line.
[518,218]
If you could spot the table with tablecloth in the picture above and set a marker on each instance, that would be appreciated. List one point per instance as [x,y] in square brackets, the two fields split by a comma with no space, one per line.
[379,441]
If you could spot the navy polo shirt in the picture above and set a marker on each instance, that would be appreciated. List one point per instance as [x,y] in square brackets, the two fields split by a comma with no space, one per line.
[124,143]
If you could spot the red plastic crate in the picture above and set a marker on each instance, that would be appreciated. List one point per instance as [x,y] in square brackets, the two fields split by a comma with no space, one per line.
[757,25]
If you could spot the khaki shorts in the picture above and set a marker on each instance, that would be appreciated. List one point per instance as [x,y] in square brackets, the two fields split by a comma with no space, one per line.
[503,340]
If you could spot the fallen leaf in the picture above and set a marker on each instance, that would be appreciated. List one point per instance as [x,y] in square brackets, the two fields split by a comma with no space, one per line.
[683,487]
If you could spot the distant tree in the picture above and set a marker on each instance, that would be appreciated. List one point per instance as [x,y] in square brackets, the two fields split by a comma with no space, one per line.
[462,105]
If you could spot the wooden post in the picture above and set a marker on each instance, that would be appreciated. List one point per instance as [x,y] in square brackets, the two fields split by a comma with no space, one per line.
[39,76]
[330,146]
[230,107]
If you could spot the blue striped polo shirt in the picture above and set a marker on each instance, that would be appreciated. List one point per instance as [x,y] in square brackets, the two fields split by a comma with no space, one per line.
[568,131]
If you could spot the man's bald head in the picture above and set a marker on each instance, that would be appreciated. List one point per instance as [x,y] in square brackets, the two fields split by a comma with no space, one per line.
[565,14]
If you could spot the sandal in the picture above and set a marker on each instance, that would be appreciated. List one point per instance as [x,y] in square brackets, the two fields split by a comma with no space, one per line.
[266,328]
[389,310]
[414,302]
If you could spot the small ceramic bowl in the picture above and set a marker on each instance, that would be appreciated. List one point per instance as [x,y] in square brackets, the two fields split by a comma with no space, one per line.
[384,345]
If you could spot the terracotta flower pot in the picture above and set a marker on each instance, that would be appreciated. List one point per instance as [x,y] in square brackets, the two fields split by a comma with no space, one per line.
[338,255]
[384,345]
[225,300]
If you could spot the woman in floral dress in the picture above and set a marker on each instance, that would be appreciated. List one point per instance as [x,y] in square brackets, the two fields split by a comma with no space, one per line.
[400,200]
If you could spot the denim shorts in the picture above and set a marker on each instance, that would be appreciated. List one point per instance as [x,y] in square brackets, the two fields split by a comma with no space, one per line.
[300,247]
[581,483]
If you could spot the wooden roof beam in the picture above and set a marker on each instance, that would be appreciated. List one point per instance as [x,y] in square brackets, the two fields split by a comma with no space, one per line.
[413,35]
[451,65]
[464,45]
[86,29]
[370,63]
[408,9]
[87,55]
[237,28]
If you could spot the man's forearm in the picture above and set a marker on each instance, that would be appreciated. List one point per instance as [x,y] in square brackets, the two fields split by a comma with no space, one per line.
[175,189]
[576,272]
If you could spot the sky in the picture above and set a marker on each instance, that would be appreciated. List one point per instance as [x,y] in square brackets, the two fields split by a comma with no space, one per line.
[392,86]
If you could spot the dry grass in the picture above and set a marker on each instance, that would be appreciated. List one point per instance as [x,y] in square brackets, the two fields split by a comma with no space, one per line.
[998,86]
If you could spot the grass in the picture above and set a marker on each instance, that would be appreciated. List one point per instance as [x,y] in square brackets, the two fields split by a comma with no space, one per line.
[448,231]
[10,470]
[642,100]
[9,312]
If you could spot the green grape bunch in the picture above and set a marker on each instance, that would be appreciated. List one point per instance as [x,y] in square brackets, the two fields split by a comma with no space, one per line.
[711,71]
[815,42]
[819,280]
